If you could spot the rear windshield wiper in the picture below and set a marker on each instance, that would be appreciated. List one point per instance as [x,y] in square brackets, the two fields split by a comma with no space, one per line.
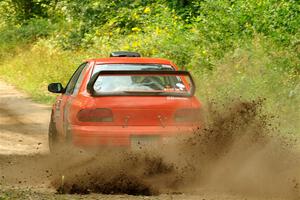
[144,92]
[155,93]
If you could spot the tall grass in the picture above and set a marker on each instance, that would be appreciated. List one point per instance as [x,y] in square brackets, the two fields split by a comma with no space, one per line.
[33,68]
[253,72]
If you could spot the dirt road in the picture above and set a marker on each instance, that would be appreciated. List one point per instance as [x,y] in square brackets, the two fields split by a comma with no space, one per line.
[23,124]
[25,161]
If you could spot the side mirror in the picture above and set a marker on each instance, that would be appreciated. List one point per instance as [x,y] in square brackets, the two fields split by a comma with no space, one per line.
[55,88]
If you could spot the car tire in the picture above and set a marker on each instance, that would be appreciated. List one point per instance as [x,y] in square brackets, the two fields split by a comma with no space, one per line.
[53,138]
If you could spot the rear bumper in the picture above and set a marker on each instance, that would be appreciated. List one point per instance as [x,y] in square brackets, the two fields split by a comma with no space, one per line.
[98,136]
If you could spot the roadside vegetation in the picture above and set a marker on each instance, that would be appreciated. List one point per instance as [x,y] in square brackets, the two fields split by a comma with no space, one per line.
[234,48]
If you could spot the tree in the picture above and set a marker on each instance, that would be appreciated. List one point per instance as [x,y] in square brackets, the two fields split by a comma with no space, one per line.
[21,11]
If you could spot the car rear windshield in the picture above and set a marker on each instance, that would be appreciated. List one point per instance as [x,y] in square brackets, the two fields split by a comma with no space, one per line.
[138,84]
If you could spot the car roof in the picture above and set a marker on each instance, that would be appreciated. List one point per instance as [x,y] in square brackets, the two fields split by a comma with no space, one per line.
[142,60]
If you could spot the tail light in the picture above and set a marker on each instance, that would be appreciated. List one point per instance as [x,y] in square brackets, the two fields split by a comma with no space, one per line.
[188,115]
[95,115]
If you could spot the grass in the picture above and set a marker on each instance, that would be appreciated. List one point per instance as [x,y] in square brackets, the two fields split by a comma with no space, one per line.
[34,68]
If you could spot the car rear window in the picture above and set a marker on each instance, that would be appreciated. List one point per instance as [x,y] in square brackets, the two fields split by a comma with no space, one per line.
[143,83]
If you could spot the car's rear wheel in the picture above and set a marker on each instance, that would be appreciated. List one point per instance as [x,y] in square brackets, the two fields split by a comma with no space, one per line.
[53,138]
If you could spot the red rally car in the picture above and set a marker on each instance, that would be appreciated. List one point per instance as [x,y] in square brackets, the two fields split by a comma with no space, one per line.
[123,101]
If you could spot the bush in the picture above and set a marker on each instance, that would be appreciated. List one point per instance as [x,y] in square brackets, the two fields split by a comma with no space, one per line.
[13,37]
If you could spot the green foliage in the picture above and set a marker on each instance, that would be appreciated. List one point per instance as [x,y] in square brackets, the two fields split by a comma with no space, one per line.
[233,47]
[187,9]
[227,20]
[213,21]
[20,11]
[15,37]
[208,28]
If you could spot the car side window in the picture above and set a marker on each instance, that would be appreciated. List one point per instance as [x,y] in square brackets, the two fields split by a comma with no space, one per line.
[72,83]
[79,81]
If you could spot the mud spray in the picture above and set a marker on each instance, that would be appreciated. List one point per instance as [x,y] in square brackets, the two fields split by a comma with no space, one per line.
[236,151]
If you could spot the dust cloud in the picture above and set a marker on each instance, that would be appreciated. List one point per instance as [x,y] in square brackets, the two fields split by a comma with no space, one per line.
[236,151]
